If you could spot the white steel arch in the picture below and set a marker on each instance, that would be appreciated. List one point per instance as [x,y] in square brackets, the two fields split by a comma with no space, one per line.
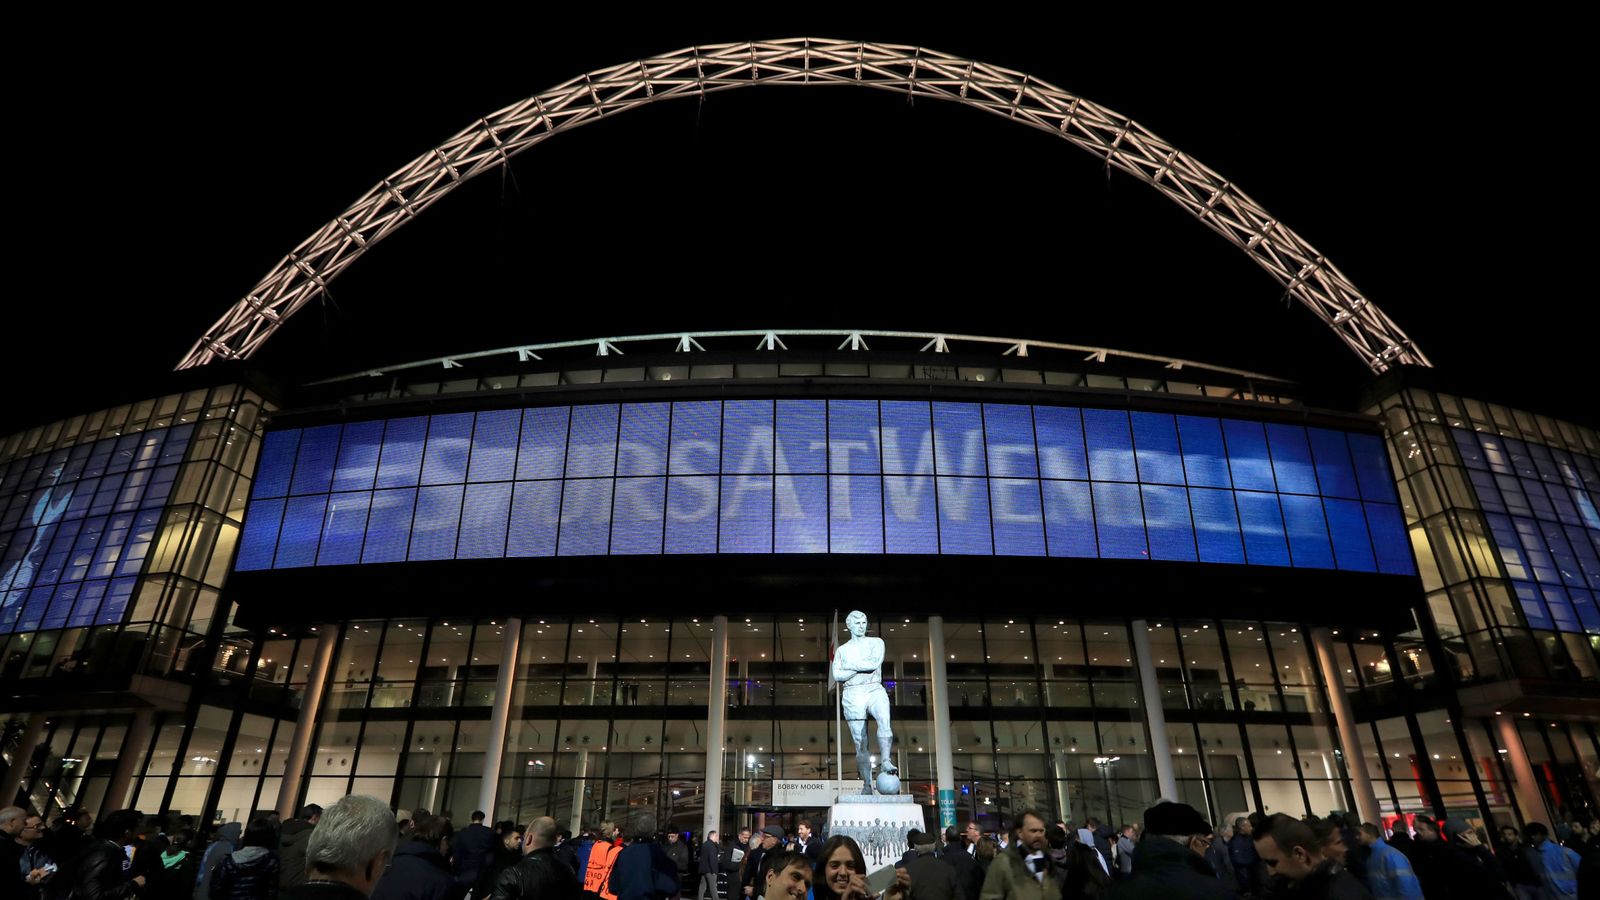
[696,71]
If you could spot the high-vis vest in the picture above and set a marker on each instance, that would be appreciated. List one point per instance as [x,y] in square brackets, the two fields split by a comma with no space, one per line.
[597,876]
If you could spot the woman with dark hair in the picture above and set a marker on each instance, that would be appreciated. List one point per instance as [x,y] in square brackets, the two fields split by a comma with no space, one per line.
[250,872]
[988,849]
[841,871]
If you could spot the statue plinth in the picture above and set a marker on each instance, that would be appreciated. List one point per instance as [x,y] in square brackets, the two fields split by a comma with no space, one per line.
[878,823]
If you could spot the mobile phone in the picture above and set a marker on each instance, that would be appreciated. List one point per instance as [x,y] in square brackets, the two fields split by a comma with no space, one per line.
[879,881]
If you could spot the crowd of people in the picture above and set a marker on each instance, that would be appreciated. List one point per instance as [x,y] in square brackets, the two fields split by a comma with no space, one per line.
[360,848]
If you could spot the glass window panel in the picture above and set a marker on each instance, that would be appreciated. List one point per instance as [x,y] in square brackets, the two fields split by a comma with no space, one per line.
[1018,518]
[1119,520]
[1335,474]
[302,528]
[444,460]
[592,446]
[1262,526]
[1248,457]
[907,436]
[958,439]
[1008,433]
[1371,460]
[855,513]
[542,450]
[1352,545]
[747,436]
[1166,518]
[1110,445]
[746,525]
[696,441]
[691,510]
[802,430]
[401,461]
[1308,532]
[637,512]
[535,511]
[853,437]
[910,522]
[1062,453]
[485,512]
[494,445]
[357,465]
[389,525]
[1216,526]
[438,520]
[344,529]
[278,450]
[642,439]
[585,511]
[1389,539]
[964,516]
[1155,441]
[313,469]
[801,513]
[1069,519]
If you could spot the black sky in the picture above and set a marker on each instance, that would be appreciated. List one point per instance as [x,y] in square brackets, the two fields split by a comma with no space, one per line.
[1434,163]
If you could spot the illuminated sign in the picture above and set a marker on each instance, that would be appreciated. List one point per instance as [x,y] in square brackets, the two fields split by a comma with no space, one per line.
[824,476]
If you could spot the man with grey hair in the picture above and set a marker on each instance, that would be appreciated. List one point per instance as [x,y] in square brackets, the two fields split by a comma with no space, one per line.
[1170,863]
[538,875]
[348,850]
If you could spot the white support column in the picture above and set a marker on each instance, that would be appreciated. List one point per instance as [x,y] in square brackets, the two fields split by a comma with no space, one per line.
[944,769]
[500,718]
[22,760]
[1355,760]
[133,749]
[1155,716]
[716,725]
[1525,787]
[305,727]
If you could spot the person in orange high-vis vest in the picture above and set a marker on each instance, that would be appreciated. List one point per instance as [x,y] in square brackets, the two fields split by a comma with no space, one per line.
[602,857]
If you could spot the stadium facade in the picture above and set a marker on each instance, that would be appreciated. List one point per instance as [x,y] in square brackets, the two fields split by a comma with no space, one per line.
[601,579]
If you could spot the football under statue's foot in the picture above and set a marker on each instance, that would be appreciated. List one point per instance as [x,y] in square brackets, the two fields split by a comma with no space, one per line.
[889,769]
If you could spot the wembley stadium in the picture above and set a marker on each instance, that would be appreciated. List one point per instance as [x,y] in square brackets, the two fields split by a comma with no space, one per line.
[596,571]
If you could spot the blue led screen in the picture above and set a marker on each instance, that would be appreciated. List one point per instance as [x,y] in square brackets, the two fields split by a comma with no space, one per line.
[1542,504]
[76,525]
[824,476]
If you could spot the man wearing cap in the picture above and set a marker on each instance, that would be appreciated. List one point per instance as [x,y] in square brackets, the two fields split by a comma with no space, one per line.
[771,838]
[1290,850]
[933,879]
[1170,860]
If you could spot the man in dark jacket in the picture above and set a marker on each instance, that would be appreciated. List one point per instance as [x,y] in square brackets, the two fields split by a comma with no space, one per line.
[1242,854]
[678,852]
[226,841]
[644,871]
[540,875]
[98,871]
[753,881]
[1291,851]
[348,850]
[710,857]
[968,873]
[1169,861]
[420,870]
[292,845]
[473,850]
[933,879]
[806,842]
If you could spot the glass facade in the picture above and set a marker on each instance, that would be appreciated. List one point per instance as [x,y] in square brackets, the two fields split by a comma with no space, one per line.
[815,476]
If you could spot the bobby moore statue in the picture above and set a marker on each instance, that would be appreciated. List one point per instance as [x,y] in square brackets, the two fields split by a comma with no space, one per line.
[857,665]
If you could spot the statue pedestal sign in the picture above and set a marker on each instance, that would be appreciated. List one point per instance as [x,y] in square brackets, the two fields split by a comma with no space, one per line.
[878,822]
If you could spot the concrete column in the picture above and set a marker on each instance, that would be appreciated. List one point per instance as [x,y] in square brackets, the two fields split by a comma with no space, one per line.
[576,826]
[944,769]
[22,761]
[1155,716]
[1355,760]
[133,748]
[716,724]
[1524,786]
[305,727]
[500,717]
[430,796]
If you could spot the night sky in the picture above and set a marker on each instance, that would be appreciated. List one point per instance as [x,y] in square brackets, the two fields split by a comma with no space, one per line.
[1435,165]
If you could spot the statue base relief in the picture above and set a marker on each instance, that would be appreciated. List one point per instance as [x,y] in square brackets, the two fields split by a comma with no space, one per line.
[878,823]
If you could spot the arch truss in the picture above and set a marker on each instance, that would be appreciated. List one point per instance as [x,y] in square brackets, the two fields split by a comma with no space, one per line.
[490,143]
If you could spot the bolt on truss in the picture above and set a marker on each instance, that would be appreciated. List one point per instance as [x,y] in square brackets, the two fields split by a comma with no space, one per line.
[490,143]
